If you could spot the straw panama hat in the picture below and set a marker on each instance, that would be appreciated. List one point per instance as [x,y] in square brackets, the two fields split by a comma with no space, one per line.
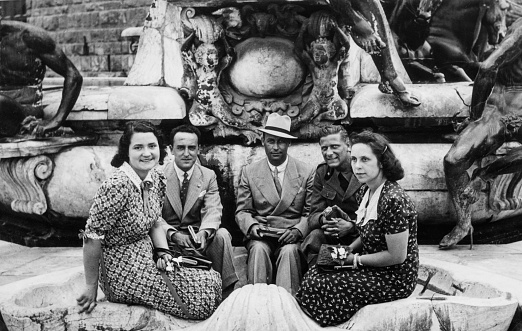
[278,125]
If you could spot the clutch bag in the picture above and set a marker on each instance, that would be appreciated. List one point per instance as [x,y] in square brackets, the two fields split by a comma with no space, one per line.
[185,260]
[332,258]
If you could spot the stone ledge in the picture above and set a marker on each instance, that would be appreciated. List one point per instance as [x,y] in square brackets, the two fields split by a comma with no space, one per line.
[101,103]
[440,102]
[47,302]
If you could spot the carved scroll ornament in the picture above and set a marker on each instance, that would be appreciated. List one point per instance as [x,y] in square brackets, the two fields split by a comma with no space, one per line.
[21,183]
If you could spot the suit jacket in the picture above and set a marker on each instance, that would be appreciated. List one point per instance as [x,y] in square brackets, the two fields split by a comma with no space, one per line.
[259,203]
[202,207]
[327,192]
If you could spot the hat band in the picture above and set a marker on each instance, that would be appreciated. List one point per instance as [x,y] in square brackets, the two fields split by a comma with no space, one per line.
[273,128]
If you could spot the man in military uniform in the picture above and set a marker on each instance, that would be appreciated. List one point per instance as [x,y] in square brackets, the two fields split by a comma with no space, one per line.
[334,185]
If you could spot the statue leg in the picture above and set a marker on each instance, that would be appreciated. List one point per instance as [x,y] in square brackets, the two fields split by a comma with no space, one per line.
[373,12]
[12,113]
[480,138]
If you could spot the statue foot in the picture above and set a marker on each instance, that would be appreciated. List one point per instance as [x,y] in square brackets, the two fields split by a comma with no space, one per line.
[457,234]
[407,99]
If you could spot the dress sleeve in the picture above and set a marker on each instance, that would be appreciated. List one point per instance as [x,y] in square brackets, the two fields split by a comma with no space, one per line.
[397,211]
[106,208]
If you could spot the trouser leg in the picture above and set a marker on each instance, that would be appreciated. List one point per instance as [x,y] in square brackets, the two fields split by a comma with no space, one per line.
[221,254]
[289,263]
[259,263]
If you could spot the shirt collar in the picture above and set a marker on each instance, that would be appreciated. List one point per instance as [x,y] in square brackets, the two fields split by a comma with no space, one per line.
[280,168]
[368,209]
[180,172]
[133,176]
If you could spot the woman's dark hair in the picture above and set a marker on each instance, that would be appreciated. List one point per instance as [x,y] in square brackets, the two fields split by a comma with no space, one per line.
[380,145]
[123,147]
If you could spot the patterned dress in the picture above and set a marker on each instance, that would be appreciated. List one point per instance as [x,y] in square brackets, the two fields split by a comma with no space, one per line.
[332,298]
[128,273]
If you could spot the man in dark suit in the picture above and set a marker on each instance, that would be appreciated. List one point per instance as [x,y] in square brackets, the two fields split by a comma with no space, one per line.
[192,199]
[273,202]
[334,185]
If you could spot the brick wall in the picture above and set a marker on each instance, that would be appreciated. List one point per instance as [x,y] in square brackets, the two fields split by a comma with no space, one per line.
[89,31]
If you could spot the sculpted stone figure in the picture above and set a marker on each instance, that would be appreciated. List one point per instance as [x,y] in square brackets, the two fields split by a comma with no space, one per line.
[496,117]
[25,51]
[323,63]
[370,32]
[209,106]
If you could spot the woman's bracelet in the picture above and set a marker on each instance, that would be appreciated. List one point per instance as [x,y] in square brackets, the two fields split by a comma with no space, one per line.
[355,266]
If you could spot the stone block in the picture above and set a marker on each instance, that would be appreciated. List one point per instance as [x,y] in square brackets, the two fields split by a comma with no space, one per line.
[145,102]
[70,37]
[136,16]
[99,63]
[112,18]
[50,23]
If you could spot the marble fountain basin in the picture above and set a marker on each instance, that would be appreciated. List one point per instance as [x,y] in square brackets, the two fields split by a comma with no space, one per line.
[442,300]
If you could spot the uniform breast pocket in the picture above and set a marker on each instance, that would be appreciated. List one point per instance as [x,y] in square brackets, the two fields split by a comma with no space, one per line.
[328,193]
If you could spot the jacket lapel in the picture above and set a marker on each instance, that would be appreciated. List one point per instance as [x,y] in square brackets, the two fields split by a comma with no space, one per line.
[194,189]
[265,183]
[173,191]
[291,184]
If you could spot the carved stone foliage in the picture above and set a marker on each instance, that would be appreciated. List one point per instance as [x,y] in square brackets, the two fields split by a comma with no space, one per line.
[245,62]
[21,185]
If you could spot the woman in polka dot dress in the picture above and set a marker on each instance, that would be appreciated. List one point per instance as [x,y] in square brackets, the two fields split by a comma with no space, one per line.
[385,255]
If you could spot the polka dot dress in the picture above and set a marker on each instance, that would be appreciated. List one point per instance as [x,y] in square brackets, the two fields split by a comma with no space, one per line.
[332,298]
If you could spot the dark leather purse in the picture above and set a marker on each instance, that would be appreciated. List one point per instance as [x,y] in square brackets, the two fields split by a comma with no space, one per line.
[184,260]
[327,263]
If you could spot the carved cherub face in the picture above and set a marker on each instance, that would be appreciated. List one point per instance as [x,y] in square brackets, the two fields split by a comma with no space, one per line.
[207,56]
[323,50]
[232,18]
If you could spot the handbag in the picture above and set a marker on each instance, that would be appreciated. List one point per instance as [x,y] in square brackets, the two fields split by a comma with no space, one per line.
[332,258]
[181,260]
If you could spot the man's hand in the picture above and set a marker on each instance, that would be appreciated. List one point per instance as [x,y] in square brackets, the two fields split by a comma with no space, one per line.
[337,227]
[87,300]
[182,240]
[290,236]
[254,233]
[202,238]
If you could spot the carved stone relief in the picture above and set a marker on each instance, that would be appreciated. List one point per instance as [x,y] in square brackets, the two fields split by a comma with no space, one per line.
[22,183]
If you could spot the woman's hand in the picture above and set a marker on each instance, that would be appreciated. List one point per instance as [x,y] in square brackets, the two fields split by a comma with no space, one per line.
[163,261]
[87,300]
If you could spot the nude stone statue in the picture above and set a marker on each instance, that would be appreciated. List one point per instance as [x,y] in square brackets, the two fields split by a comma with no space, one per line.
[495,118]
[370,32]
[323,63]
[25,52]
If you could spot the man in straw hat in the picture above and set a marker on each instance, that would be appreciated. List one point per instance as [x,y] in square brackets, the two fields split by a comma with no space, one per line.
[273,203]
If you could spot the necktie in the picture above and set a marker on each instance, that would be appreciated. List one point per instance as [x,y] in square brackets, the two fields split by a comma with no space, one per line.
[277,182]
[145,188]
[343,182]
[184,188]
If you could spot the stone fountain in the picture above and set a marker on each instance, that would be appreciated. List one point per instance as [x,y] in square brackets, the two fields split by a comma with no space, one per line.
[224,69]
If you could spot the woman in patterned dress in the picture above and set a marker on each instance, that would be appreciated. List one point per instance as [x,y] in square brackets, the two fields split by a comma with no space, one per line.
[124,223]
[385,255]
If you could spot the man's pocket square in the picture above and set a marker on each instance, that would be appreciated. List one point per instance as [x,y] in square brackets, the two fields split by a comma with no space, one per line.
[202,194]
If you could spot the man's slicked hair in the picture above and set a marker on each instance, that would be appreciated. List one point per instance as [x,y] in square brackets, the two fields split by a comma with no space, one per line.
[186,129]
[334,129]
